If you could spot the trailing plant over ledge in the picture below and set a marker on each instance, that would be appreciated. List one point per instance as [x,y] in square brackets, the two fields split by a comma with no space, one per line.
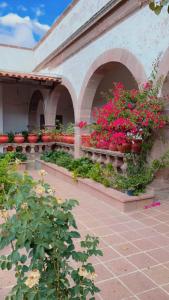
[42,233]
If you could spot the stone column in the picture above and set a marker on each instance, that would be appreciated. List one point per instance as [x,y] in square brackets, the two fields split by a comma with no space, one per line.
[77,150]
[50,108]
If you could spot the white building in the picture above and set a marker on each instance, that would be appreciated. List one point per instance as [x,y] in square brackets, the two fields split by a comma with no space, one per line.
[92,44]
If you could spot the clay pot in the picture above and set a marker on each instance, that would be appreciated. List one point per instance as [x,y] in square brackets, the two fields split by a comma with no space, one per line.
[126,147]
[58,138]
[70,139]
[136,147]
[113,147]
[86,140]
[46,138]
[119,148]
[4,139]
[19,139]
[32,138]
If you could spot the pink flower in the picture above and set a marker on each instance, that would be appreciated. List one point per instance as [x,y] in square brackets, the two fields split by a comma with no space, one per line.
[82,124]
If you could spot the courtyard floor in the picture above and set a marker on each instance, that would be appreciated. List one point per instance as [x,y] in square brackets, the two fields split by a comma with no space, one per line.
[135,264]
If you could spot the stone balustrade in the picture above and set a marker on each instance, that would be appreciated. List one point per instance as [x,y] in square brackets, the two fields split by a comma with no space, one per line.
[69,148]
[34,150]
[116,158]
[30,149]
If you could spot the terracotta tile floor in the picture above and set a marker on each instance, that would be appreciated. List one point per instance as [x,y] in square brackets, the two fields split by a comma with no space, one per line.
[135,265]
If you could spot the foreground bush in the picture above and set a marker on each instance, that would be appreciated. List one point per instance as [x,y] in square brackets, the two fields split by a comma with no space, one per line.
[42,231]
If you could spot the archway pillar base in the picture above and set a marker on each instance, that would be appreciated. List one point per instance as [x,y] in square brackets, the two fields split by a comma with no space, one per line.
[77,148]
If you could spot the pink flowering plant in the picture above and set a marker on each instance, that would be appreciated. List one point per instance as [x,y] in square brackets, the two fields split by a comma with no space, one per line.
[129,113]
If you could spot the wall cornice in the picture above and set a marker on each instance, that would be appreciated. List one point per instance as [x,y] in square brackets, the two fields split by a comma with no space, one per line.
[111,14]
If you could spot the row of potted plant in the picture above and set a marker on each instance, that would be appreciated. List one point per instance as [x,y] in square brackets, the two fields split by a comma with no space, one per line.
[64,135]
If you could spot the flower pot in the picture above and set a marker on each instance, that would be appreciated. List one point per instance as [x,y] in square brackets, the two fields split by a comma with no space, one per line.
[58,138]
[4,139]
[130,192]
[136,147]
[46,138]
[32,138]
[113,147]
[119,148]
[19,139]
[86,140]
[126,147]
[70,139]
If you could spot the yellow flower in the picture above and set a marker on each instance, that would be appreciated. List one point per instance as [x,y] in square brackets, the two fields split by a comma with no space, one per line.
[33,279]
[24,206]
[4,214]
[82,272]
[17,161]
[59,200]
[39,190]
[42,173]
[92,276]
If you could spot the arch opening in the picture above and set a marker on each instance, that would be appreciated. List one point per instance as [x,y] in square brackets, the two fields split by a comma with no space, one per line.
[100,84]
[36,117]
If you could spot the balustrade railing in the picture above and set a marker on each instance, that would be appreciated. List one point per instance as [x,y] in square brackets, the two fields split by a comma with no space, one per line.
[34,150]
[116,158]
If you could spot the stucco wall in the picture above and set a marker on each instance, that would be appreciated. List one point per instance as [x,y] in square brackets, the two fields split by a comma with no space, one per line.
[16,59]
[77,16]
[144,34]
[15,108]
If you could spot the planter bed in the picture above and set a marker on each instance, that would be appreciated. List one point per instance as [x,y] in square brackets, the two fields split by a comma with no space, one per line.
[111,196]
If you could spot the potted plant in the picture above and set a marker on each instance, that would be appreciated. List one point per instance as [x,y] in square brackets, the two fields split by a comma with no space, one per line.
[32,137]
[69,137]
[46,136]
[4,138]
[19,138]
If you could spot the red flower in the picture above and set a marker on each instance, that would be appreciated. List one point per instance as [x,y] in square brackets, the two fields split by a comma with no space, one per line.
[82,124]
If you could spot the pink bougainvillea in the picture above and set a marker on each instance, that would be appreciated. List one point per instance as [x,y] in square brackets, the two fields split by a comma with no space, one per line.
[127,113]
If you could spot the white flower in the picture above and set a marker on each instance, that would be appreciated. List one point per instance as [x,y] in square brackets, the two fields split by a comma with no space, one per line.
[39,190]
[17,161]
[33,279]
[51,192]
[42,173]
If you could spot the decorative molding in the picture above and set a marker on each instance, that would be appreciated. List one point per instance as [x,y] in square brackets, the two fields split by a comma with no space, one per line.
[110,15]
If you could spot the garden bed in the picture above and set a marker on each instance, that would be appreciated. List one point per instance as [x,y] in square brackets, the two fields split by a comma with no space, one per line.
[111,196]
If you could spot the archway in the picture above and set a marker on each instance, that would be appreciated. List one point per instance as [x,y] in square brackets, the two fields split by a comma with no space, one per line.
[113,65]
[60,107]
[36,117]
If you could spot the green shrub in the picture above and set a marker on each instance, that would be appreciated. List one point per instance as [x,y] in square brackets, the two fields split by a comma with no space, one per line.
[41,232]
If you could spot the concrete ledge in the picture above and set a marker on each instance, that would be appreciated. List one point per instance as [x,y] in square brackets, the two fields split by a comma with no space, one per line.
[111,196]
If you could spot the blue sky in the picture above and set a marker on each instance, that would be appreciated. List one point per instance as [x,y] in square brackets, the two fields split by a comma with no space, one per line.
[24,22]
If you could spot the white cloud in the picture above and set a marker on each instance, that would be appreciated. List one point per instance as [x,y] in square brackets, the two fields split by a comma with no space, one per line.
[3,4]
[20,31]
[39,10]
[22,8]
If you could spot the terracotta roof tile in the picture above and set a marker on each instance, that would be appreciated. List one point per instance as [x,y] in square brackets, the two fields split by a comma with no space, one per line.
[29,76]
